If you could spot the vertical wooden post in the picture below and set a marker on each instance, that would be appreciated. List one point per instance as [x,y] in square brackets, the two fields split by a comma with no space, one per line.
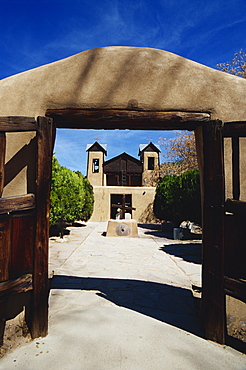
[2,160]
[45,142]
[235,167]
[213,298]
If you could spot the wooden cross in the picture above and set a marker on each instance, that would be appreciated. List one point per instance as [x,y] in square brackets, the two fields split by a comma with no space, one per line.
[149,139]
[97,138]
[123,207]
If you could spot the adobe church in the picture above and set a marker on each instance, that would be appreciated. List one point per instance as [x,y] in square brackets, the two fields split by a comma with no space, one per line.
[122,181]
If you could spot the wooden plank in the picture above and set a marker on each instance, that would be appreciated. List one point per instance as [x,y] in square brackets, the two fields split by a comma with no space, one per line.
[235,168]
[5,232]
[234,129]
[2,160]
[45,143]
[235,251]
[126,119]
[213,299]
[235,288]
[20,285]
[22,240]
[17,203]
[235,206]
[15,124]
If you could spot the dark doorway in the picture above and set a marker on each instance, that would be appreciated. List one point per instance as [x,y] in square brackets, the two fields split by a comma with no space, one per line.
[117,200]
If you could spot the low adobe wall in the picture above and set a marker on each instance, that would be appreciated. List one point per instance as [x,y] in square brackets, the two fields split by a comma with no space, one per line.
[142,199]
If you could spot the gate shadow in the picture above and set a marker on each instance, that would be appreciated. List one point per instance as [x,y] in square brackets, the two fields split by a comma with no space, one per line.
[166,303]
[190,252]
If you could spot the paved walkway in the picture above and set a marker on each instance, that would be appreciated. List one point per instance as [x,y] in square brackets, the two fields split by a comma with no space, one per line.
[123,303]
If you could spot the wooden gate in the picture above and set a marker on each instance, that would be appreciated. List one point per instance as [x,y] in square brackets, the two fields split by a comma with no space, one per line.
[224,252]
[24,224]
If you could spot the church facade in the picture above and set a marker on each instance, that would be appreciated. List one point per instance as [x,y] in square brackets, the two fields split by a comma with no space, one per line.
[122,181]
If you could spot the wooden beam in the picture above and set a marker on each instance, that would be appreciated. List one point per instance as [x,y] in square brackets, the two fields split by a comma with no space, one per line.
[45,143]
[232,129]
[213,299]
[2,160]
[17,203]
[235,288]
[126,119]
[14,286]
[235,206]
[15,124]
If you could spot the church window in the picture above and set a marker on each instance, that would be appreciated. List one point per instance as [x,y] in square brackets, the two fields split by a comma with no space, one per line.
[95,165]
[151,162]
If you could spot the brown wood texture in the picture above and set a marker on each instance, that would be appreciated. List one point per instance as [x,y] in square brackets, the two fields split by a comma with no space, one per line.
[20,285]
[19,123]
[22,241]
[2,160]
[235,251]
[235,288]
[45,143]
[213,299]
[234,129]
[235,167]
[235,206]
[18,203]
[123,162]
[5,248]
[126,119]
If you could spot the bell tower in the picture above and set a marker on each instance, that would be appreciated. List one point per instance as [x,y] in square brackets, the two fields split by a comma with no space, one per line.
[96,154]
[149,156]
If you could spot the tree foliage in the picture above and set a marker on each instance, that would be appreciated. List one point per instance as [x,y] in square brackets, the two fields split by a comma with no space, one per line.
[237,66]
[180,155]
[178,198]
[71,196]
[87,208]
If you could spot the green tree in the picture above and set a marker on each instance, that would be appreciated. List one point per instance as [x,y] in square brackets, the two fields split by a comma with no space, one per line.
[69,193]
[178,198]
[89,197]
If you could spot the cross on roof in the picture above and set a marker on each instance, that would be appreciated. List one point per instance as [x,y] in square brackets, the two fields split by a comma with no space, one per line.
[97,138]
[149,139]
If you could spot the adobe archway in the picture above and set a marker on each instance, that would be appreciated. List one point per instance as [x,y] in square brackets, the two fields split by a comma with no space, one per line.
[139,88]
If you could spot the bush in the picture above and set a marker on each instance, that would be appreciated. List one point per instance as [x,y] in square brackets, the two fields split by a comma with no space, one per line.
[178,198]
[71,196]
[87,208]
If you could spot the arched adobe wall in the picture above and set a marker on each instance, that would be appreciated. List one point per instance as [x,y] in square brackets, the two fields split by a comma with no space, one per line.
[124,78]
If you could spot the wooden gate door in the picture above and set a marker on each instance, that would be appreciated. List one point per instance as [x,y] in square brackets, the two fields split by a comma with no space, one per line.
[24,224]
[224,252]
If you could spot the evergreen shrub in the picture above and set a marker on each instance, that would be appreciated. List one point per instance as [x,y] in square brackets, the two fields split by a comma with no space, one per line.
[178,198]
[71,196]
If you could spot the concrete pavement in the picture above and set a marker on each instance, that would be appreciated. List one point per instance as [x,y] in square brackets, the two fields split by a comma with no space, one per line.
[123,303]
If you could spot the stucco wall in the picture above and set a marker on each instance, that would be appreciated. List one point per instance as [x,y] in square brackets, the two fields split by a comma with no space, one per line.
[142,197]
[228,167]
[20,164]
[122,77]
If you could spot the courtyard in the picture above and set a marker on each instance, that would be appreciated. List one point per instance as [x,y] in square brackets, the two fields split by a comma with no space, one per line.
[123,303]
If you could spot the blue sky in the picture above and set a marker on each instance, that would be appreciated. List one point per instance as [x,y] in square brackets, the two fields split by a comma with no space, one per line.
[37,32]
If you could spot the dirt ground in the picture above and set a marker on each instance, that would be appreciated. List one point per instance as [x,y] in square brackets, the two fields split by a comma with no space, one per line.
[16,334]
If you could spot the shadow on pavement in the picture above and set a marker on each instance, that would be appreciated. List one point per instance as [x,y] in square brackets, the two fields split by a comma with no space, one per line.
[190,252]
[169,304]
[150,226]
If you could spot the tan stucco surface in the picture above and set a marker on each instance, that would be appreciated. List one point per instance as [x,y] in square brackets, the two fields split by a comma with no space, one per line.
[116,77]
[142,197]
[124,77]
